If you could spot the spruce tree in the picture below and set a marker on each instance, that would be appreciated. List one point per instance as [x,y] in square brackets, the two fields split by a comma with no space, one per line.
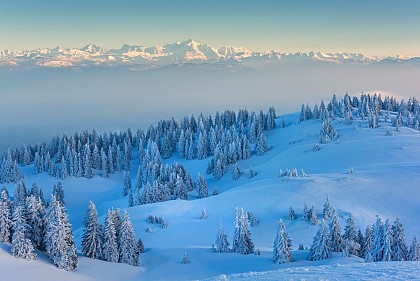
[35,212]
[127,242]
[236,172]
[110,243]
[261,146]
[414,254]
[350,234]
[58,237]
[399,247]
[321,247]
[327,210]
[92,236]
[21,245]
[5,222]
[222,244]
[282,245]
[202,189]
[242,242]
[335,233]
[377,246]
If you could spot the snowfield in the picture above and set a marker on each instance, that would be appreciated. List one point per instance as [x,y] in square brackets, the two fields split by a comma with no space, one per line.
[385,183]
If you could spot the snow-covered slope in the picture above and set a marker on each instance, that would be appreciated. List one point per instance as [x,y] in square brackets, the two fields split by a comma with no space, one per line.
[186,51]
[384,183]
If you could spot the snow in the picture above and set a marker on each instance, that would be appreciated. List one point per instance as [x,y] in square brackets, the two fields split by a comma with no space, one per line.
[384,183]
[185,51]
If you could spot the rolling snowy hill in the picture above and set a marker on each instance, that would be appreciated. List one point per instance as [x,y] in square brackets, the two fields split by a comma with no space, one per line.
[384,182]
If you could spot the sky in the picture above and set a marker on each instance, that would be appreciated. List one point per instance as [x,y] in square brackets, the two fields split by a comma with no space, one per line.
[372,27]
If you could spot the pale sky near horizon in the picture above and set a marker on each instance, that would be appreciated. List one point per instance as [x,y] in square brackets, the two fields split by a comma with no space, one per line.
[372,27]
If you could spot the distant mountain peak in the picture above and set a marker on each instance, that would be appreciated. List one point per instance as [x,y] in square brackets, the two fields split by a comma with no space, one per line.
[180,51]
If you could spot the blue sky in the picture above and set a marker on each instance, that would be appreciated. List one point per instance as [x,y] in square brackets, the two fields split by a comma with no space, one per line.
[372,27]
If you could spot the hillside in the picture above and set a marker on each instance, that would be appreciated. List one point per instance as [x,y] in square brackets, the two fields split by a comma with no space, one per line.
[383,183]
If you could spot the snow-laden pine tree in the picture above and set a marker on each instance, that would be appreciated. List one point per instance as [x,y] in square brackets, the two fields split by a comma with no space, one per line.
[58,237]
[292,214]
[104,164]
[180,189]
[350,234]
[110,244]
[202,189]
[58,192]
[204,214]
[321,247]
[335,233]
[222,244]
[126,183]
[21,245]
[19,197]
[367,242]
[5,221]
[377,246]
[312,215]
[35,215]
[327,210]
[306,212]
[387,240]
[282,245]
[399,247]
[92,236]
[261,147]
[127,242]
[414,254]
[202,146]
[242,242]
[236,172]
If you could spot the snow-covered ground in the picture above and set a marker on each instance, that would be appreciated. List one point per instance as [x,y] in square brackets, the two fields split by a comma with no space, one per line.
[384,183]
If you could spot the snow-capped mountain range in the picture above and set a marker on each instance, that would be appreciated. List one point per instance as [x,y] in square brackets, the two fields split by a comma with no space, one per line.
[178,52]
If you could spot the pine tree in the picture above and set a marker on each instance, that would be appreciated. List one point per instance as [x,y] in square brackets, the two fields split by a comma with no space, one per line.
[110,243]
[88,173]
[321,248]
[414,254]
[202,146]
[222,244]
[305,212]
[185,259]
[387,242]
[91,238]
[367,242]
[377,246]
[126,183]
[282,245]
[58,192]
[58,237]
[35,212]
[21,245]
[292,214]
[399,248]
[127,242]
[204,214]
[5,221]
[335,233]
[104,164]
[312,215]
[261,146]
[236,172]
[350,234]
[180,189]
[327,209]
[202,189]
[242,240]
[64,172]
[140,246]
